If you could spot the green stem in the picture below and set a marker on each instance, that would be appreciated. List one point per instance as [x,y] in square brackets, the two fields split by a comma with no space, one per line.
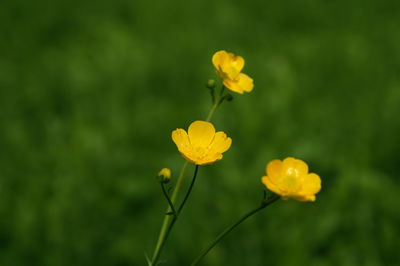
[167,222]
[168,199]
[216,103]
[211,113]
[189,190]
[221,91]
[264,204]
[167,218]
[167,226]
[179,182]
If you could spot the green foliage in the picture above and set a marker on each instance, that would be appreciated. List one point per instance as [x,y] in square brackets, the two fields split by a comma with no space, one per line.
[91,90]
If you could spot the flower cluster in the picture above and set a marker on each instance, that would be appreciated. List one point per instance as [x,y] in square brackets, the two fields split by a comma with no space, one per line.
[201,144]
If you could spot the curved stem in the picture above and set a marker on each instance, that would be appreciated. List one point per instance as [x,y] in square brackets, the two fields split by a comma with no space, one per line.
[189,190]
[264,204]
[167,222]
[167,218]
[167,226]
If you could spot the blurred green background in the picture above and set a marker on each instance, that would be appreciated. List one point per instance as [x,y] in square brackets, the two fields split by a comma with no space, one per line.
[91,90]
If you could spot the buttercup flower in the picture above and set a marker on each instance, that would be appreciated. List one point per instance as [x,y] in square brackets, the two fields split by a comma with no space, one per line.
[229,67]
[201,145]
[290,179]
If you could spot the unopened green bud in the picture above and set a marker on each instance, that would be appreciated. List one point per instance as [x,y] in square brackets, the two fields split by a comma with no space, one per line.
[210,84]
[164,176]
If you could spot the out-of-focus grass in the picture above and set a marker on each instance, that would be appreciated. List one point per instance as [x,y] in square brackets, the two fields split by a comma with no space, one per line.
[90,91]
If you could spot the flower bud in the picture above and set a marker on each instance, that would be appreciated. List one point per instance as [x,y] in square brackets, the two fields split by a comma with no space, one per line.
[164,176]
[210,84]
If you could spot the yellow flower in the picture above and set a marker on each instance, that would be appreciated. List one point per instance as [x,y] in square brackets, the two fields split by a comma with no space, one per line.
[290,179]
[229,67]
[201,145]
[164,175]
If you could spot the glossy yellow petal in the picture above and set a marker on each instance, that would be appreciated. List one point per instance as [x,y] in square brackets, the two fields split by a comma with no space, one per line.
[219,58]
[295,166]
[243,84]
[181,139]
[311,184]
[191,157]
[274,169]
[234,65]
[211,158]
[201,133]
[270,185]
[304,198]
[228,65]
[233,86]
[221,142]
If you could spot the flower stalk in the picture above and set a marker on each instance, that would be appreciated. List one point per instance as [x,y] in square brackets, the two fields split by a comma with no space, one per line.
[263,204]
[217,101]
[171,206]
[168,218]
[167,226]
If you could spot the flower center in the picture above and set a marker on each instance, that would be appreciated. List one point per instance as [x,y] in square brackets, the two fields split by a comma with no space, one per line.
[289,183]
[201,152]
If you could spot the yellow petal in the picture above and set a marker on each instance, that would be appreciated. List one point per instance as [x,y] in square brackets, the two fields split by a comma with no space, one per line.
[210,159]
[245,82]
[221,142]
[242,84]
[271,186]
[233,66]
[304,198]
[219,58]
[274,170]
[233,86]
[227,64]
[190,157]
[295,166]
[201,133]
[311,184]
[181,139]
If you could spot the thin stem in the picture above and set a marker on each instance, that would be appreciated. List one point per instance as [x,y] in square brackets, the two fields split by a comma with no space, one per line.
[264,204]
[179,182]
[189,190]
[167,218]
[167,222]
[167,226]
[168,199]
[211,113]
[216,103]
[222,91]
[167,231]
